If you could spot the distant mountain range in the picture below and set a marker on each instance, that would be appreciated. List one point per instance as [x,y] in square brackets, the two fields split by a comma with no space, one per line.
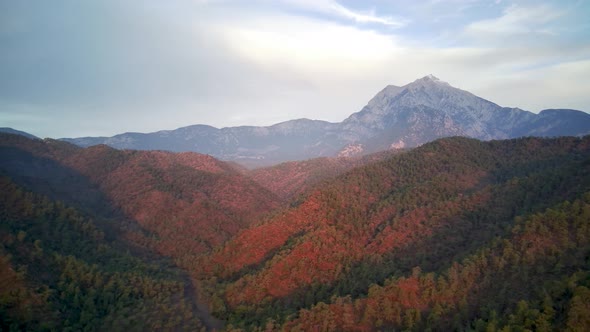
[397,117]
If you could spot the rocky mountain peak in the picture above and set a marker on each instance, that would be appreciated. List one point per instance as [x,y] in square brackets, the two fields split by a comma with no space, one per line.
[428,91]
[428,80]
[382,98]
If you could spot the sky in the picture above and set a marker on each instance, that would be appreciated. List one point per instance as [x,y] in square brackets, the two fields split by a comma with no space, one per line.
[71,68]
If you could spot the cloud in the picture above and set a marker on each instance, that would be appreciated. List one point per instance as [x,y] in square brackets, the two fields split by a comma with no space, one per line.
[562,85]
[517,20]
[331,7]
[152,70]
[330,69]
[71,68]
[304,41]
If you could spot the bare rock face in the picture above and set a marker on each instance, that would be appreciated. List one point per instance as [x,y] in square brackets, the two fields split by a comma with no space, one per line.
[395,118]
[351,150]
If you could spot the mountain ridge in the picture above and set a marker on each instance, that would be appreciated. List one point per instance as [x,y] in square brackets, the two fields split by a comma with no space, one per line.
[396,117]
[8,130]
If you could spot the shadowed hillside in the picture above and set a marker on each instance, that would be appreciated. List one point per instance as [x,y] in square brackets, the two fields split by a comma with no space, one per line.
[156,204]
[189,202]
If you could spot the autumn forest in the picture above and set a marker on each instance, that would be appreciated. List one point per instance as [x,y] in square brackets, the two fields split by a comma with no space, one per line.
[457,234]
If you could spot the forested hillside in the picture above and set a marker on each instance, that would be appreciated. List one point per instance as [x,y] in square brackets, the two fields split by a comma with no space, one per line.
[185,203]
[421,213]
[292,179]
[457,234]
[58,271]
[167,208]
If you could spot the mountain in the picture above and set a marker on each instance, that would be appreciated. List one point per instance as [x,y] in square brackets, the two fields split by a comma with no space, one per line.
[61,269]
[291,140]
[134,222]
[457,234]
[7,130]
[428,109]
[396,118]
[555,122]
[291,179]
[182,204]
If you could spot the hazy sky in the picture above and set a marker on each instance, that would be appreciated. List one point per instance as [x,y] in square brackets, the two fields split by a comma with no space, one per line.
[73,68]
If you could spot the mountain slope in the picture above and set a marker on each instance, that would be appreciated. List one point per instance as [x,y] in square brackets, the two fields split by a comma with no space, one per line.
[7,130]
[429,207]
[184,203]
[488,290]
[555,123]
[397,117]
[158,204]
[429,108]
[60,270]
[247,145]
[295,178]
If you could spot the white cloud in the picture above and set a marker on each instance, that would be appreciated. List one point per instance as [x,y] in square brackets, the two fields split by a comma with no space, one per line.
[305,42]
[332,7]
[226,64]
[321,69]
[517,20]
[563,85]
